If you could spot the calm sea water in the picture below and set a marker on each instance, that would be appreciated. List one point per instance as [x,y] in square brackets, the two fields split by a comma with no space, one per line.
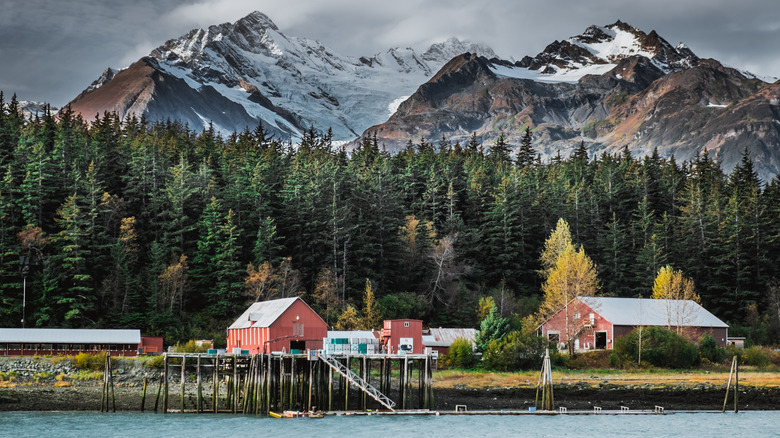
[89,424]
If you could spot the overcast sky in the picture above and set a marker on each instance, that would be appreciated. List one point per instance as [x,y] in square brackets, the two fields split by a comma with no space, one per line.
[50,50]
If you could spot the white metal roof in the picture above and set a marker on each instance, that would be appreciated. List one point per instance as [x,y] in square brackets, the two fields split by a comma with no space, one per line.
[351,334]
[263,313]
[638,311]
[444,337]
[69,336]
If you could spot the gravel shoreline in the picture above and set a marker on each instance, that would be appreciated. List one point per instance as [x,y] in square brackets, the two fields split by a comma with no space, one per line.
[32,388]
[87,396]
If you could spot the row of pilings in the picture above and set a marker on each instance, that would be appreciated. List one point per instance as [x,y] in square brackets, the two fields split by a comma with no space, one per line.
[262,383]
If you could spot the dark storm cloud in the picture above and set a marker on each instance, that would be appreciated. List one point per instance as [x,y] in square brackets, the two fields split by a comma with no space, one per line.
[52,49]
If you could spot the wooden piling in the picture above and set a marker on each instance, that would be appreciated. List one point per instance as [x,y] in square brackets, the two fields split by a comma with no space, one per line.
[159,390]
[181,383]
[143,392]
[199,390]
[165,382]
[215,386]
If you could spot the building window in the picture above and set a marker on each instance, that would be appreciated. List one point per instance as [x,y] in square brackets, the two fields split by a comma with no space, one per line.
[406,323]
[297,329]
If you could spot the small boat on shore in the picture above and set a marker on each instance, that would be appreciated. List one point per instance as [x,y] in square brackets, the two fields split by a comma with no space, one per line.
[286,414]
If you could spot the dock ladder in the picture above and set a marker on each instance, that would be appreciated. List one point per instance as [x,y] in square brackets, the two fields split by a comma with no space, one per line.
[358,381]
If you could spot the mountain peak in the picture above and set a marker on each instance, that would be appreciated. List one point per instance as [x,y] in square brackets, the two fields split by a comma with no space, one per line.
[598,50]
[443,52]
[257,20]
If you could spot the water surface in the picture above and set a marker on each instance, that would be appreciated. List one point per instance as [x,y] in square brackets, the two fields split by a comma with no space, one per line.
[135,424]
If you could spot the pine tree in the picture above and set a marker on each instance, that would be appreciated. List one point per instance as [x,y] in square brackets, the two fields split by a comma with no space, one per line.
[526,153]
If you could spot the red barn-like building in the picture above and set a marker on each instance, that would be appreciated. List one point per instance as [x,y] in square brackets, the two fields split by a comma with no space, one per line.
[402,336]
[286,324]
[595,322]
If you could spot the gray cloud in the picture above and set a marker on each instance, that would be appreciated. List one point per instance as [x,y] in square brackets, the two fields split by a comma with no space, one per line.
[52,50]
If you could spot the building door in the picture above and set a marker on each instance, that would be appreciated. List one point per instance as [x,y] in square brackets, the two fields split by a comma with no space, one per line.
[601,340]
[299,346]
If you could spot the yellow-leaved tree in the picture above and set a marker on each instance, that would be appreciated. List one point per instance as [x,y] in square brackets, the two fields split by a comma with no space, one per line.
[372,318]
[678,291]
[569,273]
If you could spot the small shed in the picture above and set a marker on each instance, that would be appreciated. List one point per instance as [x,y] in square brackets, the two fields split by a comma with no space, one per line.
[351,342]
[440,339]
[41,341]
[402,336]
[595,322]
[286,324]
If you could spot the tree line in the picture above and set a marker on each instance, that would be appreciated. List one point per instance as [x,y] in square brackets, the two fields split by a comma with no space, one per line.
[132,223]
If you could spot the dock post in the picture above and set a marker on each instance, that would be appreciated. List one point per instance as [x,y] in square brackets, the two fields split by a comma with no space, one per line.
[365,379]
[103,393]
[311,372]
[165,381]
[199,402]
[346,383]
[159,390]
[181,383]
[234,400]
[330,388]
[728,384]
[143,391]
[292,382]
[736,384]
[215,384]
[111,376]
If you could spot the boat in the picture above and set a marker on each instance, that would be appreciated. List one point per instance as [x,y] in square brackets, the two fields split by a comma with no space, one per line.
[315,415]
[274,415]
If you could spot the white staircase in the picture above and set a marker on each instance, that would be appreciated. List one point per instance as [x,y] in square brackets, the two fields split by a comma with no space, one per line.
[358,381]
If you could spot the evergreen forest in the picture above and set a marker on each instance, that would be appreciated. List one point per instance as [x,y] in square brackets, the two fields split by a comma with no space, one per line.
[138,224]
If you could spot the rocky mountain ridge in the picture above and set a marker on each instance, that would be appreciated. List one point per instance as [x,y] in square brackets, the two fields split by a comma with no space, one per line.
[235,75]
[612,87]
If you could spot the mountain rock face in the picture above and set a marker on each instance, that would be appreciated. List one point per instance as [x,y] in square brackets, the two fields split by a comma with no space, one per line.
[611,87]
[235,75]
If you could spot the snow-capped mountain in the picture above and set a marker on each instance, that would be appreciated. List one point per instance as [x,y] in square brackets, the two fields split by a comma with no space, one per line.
[35,109]
[597,51]
[235,75]
[611,88]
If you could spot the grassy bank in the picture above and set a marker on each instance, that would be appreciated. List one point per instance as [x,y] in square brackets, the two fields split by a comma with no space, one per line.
[751,376]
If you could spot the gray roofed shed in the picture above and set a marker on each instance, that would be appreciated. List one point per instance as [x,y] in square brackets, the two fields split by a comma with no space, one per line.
[444,337]
[652,312]
[69,336]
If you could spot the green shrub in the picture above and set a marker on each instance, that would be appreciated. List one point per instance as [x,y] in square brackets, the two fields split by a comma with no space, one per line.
[190,347]
[88,375]
[660,347]
[461,354]
[708,349]
[89,361]
[589,360]
[755,356]
[154,362]
[514,351]
[41,376]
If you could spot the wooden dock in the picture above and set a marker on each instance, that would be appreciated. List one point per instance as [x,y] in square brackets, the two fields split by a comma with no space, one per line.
[263,383]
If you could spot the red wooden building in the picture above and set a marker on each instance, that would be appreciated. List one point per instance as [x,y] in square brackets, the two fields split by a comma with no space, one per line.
[402,336]
[595,322]
[286,324]
[41,341]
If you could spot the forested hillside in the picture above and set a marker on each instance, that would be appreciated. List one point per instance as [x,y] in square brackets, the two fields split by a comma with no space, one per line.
[152,226]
